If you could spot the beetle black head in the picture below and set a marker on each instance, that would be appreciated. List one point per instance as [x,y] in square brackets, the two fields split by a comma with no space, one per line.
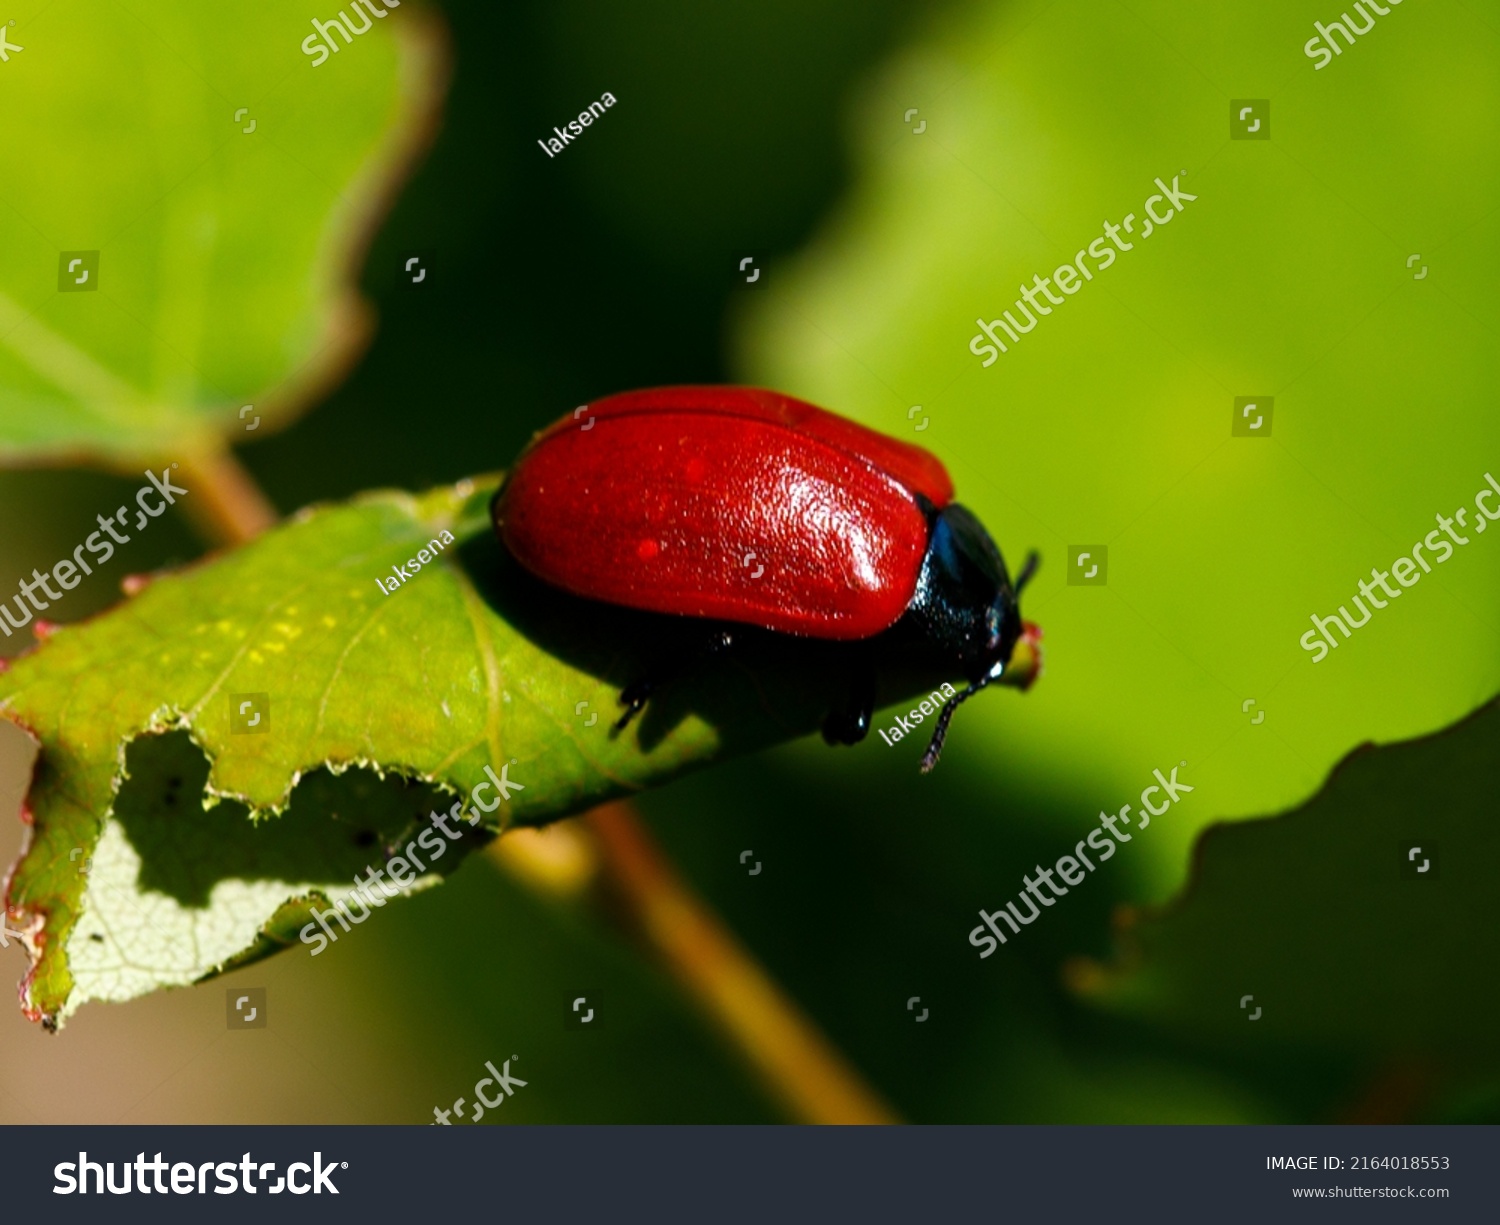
[965,607]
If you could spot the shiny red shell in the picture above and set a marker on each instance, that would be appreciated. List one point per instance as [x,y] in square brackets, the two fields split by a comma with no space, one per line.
[725,502]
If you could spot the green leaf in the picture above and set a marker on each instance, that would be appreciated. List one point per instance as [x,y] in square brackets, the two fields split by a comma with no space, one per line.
[225,258]
[375,707]
[1110,422]
[1326,917]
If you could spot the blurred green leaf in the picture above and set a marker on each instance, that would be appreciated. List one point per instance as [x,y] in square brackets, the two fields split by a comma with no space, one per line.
[468,670]
[1361,923]
[1109,423]
[217,191]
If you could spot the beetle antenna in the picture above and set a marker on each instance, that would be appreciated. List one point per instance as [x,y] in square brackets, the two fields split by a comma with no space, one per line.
[1033,560]
[940,731]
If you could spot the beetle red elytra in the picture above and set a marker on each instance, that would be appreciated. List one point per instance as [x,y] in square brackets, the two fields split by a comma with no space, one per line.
[744,507]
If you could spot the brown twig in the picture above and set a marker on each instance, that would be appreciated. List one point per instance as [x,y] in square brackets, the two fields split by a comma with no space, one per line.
[224,503]
[798,1064]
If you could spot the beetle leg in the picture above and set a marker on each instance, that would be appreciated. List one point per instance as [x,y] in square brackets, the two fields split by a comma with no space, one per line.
[636,694]
[850,723]
[634,698]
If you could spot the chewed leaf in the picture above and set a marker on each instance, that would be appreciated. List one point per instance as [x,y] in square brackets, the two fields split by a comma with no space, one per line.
[189,200]
[246,734]
[174,888]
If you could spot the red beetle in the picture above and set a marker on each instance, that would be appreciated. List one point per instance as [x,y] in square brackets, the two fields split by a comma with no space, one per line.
[749,507]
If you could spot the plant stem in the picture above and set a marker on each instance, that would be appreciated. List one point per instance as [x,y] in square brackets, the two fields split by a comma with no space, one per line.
[798,1064]
[226,506]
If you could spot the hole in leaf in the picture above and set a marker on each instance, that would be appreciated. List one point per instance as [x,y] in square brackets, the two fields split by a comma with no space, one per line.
[324,836]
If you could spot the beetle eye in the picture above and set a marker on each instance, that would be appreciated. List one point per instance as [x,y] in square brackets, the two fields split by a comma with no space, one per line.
[992,626]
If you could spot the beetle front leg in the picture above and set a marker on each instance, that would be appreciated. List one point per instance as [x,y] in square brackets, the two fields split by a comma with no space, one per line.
[850,723]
